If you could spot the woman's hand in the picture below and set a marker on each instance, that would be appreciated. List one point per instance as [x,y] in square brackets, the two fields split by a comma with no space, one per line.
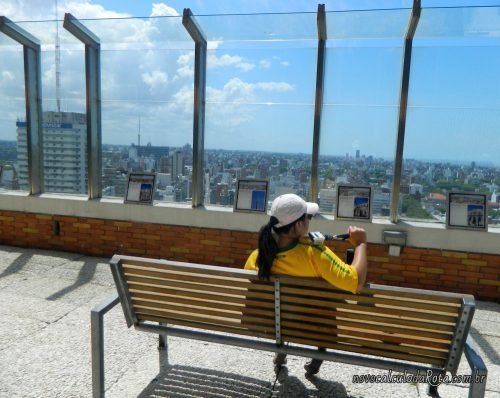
[357,235]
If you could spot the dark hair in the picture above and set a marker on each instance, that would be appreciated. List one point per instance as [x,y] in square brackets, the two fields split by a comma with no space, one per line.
[268,247]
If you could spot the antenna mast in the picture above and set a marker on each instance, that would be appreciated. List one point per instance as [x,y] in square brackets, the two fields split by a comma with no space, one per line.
[139,135]
[58,64]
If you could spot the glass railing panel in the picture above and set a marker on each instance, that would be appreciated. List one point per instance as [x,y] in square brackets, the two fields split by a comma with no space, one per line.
[260,99]
[63,103]
[451,141]
[359,120]
[367,24]
[13,150]
[147,103]
[259,26]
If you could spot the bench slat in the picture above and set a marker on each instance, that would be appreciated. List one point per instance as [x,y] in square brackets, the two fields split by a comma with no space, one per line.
[205,315]
[373,327]
[367,351]
[225,324]
[180,289]
[179,266]
[411,314]
[373,289]
[242,282]
[358,316]
[336,336]
[233,304]
[246,313]
[255,332]
[360,331]
[362,299]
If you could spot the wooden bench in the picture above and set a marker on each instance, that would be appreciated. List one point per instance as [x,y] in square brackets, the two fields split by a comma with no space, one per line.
[391,328]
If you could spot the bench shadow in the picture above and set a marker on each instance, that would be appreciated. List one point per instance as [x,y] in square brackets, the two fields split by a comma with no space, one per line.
[293,387]
[186,381]
[16,265]
[488,349]
[85,275]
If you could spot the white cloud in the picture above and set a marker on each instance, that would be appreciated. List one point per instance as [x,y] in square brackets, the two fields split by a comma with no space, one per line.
[186,59]
[285,63]
[182,100]
[7,76]
[229,60]
[155,78]
[185,71]
[265,63]
[140,72]
[161,9]
[86,9]
[275,86]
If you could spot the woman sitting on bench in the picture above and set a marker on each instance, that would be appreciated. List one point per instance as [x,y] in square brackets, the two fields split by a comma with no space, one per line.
[283,249]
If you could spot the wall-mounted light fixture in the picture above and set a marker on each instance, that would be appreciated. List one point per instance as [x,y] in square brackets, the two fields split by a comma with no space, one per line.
[396,240]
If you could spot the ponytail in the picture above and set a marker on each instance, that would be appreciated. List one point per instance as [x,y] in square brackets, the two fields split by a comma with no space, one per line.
[268,248]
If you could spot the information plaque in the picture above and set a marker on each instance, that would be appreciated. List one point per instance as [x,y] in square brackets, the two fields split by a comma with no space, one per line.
[251,195]
[354,202]
[467,210]
[140,188]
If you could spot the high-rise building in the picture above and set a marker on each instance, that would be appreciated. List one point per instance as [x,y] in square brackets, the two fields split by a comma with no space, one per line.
[178,163]
[64,152]
[328,200]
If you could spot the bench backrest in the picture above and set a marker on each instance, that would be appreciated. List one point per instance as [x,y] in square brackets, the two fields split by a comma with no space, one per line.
[411,325]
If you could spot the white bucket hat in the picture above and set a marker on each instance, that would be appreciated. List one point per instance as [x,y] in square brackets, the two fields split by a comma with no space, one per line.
[290,207]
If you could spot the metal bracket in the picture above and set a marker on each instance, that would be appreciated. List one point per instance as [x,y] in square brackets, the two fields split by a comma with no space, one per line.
[277,310]
[459,337]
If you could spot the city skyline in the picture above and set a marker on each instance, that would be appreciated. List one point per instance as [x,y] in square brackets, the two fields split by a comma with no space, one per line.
[260,92]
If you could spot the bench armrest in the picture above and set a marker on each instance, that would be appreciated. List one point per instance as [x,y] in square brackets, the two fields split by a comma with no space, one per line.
[479,374]
[97,342]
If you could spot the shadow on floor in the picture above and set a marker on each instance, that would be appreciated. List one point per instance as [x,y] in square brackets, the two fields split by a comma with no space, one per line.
[488,349]
[185,381]
[16,265]
[293,387]
[85,275]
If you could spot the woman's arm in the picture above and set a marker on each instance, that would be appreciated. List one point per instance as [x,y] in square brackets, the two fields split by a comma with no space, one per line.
[357,237]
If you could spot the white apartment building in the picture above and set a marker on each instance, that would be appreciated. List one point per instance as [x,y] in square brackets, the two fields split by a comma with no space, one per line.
[64,152]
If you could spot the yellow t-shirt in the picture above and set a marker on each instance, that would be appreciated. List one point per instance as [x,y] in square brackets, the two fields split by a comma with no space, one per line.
[307,260]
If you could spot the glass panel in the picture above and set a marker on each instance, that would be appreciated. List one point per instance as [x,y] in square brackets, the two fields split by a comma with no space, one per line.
[361,104]
[259,27]
[451,138]
[13,151]
[63,104]
[367,24]
[147,103]
[260,104]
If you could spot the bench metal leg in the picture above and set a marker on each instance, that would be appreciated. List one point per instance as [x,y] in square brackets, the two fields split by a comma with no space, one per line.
[477,387]
[163,350]
[97,343]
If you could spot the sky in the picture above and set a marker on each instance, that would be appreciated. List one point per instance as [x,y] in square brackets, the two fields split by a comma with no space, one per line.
[262,70]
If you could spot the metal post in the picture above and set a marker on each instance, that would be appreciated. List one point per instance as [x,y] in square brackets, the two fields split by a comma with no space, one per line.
[479,372]
[200,68]
[33,99]
[403,105]
[93,101]
[97,344]
[318,103]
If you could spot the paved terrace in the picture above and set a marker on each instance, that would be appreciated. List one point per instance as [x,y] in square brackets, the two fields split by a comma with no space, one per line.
[45,303]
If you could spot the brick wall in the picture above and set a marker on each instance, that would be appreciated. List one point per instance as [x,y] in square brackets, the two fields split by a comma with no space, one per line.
[477,274]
